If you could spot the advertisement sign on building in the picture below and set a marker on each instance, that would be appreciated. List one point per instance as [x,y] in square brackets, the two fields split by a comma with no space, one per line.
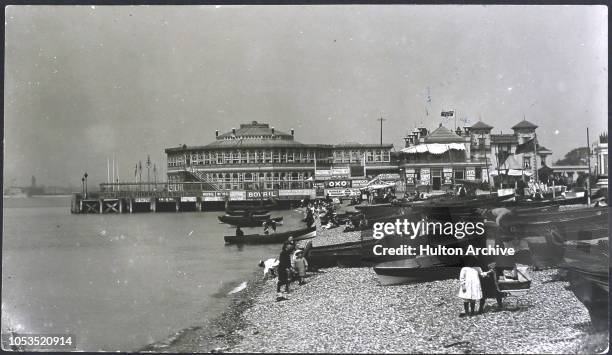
[214,195]
[141,200]
[448,175]
[425,176]
[389,177]
[337,184]
[299,192]
[256,195]
[237,195]
[342,192]
[342,172]
[470,174]
[188,199]
[322,174]
[359,183]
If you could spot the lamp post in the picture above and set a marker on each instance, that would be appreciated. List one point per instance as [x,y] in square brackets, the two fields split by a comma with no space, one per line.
[85,176]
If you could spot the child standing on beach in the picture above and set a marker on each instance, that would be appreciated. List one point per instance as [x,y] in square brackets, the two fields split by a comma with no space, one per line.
[300,265]
[469,290]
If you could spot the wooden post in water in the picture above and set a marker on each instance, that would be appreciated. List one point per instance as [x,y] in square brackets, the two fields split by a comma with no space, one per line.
[198,204]
[131,204]
[120,205]
[101,206]
[177,203]
[153,204]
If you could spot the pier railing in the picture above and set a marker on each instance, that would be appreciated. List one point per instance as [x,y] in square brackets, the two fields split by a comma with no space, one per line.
[143,189]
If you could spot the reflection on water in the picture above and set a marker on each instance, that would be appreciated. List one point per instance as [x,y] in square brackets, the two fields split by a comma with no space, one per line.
[118,281]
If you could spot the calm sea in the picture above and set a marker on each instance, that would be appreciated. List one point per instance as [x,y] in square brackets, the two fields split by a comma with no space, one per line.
[118,282]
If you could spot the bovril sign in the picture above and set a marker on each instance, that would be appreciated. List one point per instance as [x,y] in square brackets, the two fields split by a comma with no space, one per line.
[255,195]
[337,184]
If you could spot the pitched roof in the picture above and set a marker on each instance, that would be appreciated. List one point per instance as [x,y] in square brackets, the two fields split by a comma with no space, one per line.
[255,129]
[480,125]
[443,135]
[524,124]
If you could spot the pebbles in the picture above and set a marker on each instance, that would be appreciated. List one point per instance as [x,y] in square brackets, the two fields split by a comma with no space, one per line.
[346,310]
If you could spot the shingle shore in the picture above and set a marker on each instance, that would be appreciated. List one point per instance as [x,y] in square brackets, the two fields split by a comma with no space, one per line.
[348,311]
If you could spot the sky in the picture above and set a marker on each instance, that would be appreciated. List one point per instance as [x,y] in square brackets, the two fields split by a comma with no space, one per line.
[84,83]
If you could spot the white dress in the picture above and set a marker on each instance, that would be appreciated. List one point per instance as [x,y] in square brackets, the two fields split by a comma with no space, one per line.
[469,278]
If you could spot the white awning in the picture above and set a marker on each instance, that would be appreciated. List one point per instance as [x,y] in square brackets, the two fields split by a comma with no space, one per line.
[433,148]
[511,172]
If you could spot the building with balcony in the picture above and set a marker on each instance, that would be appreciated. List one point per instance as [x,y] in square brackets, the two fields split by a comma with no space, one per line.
[433,161]
[257,157]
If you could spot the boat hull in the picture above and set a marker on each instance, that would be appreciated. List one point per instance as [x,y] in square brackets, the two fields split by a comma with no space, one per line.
[241,221]
[424,268]
[301,234]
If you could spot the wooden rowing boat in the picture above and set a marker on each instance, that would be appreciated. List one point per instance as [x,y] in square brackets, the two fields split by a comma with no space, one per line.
[245,221]
[300,234]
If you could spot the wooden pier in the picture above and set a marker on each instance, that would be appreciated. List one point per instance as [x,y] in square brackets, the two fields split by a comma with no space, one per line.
[173,197]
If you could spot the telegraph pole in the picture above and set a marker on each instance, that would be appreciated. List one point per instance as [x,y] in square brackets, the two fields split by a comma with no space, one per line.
[381,126]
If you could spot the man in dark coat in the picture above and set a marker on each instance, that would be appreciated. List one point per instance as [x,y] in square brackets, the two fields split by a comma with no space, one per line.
[284,268]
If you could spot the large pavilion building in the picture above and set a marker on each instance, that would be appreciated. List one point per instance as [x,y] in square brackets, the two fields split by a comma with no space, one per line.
[257,159]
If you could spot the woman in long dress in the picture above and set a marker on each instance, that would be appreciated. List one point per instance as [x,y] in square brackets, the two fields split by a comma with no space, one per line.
[470,290]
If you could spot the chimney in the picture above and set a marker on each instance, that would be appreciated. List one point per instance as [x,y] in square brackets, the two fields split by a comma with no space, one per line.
[217,133]
[234,132]
[272,130]
[292,132]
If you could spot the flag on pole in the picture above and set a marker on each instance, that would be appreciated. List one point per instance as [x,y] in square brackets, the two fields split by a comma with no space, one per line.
[447,113]
[148,160]
[135,170]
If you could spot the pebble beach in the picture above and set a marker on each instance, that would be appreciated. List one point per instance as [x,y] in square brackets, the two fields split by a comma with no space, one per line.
[346,310]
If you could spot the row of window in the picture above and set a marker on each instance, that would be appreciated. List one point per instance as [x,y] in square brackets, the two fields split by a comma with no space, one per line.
[270,156]
[243,157]
[356,156]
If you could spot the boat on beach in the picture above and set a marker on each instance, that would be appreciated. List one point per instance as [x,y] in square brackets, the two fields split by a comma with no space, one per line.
[419,269]
[300,234]
[247,221]
[587,266]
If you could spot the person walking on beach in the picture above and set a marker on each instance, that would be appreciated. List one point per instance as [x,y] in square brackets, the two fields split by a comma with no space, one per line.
[300,265]
[469,289]
[284,270]
[309,218]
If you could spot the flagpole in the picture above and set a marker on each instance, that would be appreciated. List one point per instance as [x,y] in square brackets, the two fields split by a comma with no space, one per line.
[589,175]
[107,170]
[113,179]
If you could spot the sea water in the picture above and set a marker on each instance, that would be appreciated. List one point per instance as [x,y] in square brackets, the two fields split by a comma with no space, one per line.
[118,282]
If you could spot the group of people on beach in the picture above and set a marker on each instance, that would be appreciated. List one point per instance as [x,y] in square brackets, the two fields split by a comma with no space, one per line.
[476,285]
[289,266]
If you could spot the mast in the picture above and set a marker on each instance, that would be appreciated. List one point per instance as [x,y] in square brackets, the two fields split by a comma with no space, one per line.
[589,174]
[535,157]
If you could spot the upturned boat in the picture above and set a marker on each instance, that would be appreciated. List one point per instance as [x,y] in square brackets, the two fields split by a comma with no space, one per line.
[419,269]
[300,234]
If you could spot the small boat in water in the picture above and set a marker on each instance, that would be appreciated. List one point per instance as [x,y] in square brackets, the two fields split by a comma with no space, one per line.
[419,269]
[246,212]
[300,234]
[248,221]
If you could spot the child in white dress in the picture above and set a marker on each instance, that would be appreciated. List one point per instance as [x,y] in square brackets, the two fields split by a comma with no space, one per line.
[469,290]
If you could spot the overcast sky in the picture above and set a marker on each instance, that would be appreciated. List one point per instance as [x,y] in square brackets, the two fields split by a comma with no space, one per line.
[84,82]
